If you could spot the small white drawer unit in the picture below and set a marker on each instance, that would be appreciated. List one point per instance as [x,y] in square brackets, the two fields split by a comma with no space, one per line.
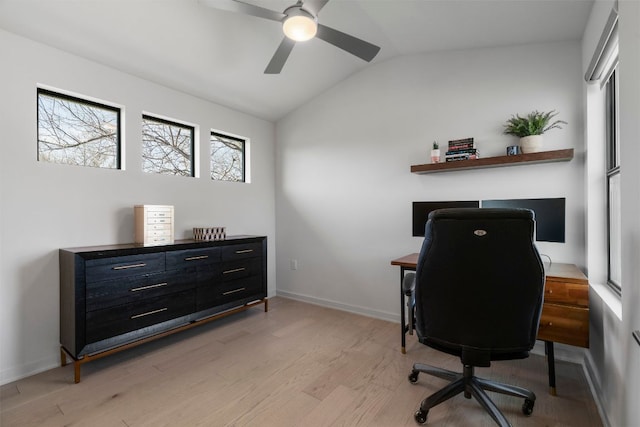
[154,224]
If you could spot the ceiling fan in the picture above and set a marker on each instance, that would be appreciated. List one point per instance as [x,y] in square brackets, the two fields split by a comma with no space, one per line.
[300,23]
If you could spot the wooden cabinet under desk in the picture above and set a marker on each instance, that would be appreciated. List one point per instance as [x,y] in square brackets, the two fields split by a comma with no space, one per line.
[114,297]
[565,314]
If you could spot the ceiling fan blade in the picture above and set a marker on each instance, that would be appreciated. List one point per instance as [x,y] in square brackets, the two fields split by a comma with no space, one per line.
[314,5]
[353,45]
[280,57]
[246,8]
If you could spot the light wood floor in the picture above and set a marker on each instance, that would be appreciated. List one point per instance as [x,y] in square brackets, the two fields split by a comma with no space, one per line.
[297,365]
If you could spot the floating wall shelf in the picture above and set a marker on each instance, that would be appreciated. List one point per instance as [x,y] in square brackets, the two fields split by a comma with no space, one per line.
[494,162]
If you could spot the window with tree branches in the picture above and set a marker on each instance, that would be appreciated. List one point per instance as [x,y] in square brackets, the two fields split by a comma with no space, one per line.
[76,131]
[227,158]
[167,147]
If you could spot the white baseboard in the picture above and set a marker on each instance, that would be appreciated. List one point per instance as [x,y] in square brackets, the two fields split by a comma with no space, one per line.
[378,314]
[589,373]
[14,374]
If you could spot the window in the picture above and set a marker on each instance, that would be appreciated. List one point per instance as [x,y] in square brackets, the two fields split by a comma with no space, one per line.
[227,158]
[75,131]
[167,147]
[614,236]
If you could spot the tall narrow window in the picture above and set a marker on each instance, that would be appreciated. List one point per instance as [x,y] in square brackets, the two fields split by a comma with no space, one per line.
[613,183]
[227,158]
[76,131]
[167,147]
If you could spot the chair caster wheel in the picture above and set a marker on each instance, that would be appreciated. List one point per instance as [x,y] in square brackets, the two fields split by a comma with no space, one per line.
[413,377]
[421,416]
[527,406]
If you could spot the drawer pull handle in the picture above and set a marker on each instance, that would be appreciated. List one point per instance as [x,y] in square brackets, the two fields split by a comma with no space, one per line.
[550,323]
[550,291]
[124,267]
[235,270]
[233,291]
[143,288]
[148,313]
[244,251]
[195,258]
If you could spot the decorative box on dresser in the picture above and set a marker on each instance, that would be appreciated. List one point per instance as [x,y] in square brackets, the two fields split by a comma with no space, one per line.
[118,296]
[154,224]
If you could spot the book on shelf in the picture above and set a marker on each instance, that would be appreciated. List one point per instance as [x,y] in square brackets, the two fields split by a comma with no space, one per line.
[461,156]
[465,151]
[461,144]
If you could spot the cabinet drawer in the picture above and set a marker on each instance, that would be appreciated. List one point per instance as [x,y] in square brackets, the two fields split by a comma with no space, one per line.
[241,268]
[192,258]
[566,293]
[249,250]
[159,212]
[166,227]
[564,324]
[110,293]
[123,266]
[161,220]
[227,292]
[107,323]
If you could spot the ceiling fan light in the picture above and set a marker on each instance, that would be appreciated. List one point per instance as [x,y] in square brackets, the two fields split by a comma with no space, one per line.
[300,26]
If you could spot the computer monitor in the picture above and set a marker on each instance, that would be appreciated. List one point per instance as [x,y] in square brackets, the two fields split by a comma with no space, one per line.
[549,213]
[421,212]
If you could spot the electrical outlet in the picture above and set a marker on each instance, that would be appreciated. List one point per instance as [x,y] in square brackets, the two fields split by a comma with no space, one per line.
[294,264]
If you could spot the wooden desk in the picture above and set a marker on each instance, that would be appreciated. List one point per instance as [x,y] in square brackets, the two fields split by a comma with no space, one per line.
[565,313]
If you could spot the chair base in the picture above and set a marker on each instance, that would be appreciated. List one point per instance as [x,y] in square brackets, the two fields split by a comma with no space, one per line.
[470,385]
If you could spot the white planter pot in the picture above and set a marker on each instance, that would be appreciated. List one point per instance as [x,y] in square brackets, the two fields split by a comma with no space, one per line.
[531,144]
[435,156]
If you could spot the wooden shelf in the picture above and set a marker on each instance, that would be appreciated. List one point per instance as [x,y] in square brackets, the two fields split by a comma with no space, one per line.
[494,162]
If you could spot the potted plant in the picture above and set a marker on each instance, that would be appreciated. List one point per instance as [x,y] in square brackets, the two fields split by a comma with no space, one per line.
[531,127]
[435,153]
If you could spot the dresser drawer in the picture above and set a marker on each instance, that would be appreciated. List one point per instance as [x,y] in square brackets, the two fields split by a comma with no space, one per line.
[227,292]
[107,323]
[123,266]
[566,293]
[564,324]
[110,293]
[248,250]
[192,258]
[232,270]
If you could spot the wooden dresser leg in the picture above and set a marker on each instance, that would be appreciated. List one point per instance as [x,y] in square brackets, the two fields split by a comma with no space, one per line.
[63,357]
[76,371]
[266,305]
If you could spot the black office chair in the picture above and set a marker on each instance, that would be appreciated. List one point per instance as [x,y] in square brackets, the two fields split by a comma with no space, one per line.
[479,291]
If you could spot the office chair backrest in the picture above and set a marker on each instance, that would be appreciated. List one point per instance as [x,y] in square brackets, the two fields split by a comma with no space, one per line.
[479,284]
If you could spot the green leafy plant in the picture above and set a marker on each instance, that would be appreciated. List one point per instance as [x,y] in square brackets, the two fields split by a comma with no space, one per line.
[435,145]
[534,123]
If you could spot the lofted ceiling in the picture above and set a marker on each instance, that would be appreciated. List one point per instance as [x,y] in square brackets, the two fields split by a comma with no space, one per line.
[220,56]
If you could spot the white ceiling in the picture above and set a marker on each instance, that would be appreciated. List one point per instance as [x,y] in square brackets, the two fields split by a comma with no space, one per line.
[220,56]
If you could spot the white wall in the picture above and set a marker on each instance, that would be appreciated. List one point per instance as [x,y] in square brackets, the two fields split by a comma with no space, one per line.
[48,206]
[343,185]
[630,183]
[613,355]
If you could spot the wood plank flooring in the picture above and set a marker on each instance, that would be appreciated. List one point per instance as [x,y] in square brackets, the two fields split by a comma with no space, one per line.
[297,365]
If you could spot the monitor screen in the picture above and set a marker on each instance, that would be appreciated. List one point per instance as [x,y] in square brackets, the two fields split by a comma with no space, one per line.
[550,214]
[421,212]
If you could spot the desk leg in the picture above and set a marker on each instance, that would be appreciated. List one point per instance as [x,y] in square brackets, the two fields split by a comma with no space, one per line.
[402,316]
[551,366]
